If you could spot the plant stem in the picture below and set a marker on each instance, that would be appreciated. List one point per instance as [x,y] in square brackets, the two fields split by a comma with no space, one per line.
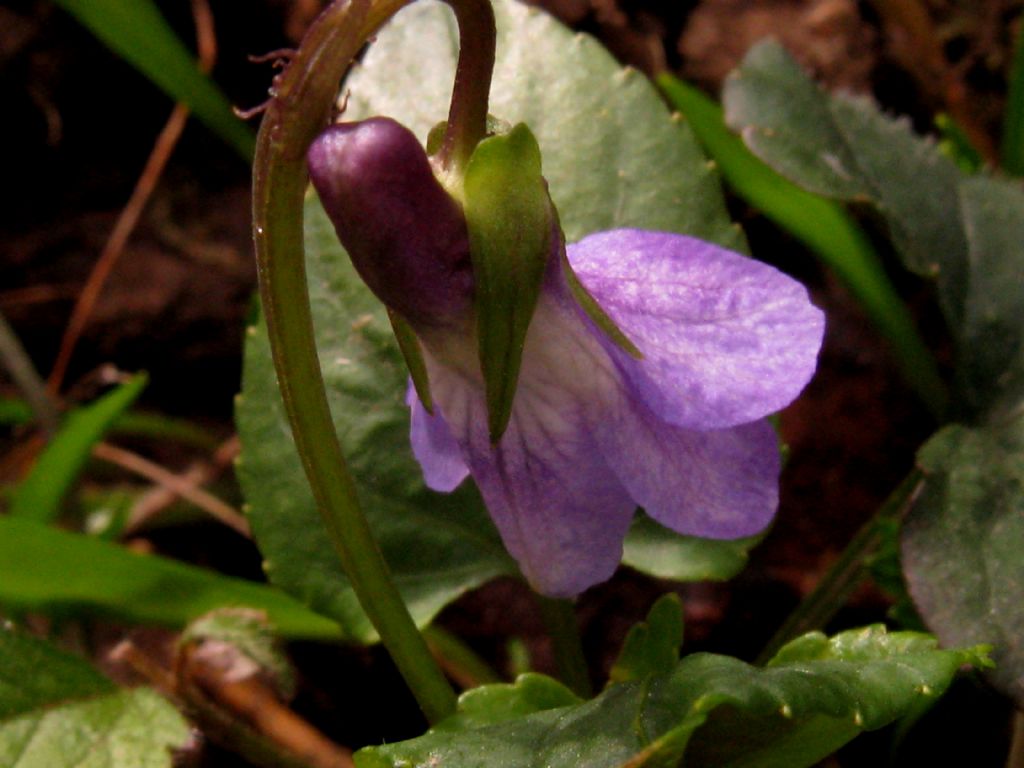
[560,618]
[1015,758]
[846,573]
[467,116]
[301,107]
[460,661]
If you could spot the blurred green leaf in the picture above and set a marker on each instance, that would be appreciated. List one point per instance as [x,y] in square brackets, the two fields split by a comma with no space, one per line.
[711,711]
[821,224]
[651,647]
[55,471]
[955,144]
[138,33]
[844,148]
[653,549]
[57,711]
[50,571]
[613,157]
[1013,121]
[991,364]
[962,544]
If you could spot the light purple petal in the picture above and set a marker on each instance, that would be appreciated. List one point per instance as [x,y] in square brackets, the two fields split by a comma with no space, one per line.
[560,509]
[434,447]
[720,484]
[726,340]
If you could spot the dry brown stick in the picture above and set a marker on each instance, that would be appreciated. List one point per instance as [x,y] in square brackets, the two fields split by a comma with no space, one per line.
[114,247]
[199,474]
[256,703]
[179,485]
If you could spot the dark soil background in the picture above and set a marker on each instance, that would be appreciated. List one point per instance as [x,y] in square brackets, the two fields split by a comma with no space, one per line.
[78,125]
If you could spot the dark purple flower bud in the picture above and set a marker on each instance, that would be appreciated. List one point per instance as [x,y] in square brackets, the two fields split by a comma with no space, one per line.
[404,233]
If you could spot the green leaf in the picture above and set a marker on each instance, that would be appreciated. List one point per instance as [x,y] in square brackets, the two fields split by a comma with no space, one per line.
[510,221]
[655,550]
[39,495]
[844,148]
[46,570]
[651,647]
[1013,121]
[962,543]
[139,34]
[710,712]
[57,711]
[613,157]
[991,365]
[821,224]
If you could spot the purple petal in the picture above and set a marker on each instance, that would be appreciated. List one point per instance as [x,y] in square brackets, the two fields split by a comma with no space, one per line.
[434,447]
[720,484]
[560,509]
[726,339]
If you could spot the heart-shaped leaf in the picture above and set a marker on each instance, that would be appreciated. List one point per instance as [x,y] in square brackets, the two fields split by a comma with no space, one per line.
[58,711]
[710,712]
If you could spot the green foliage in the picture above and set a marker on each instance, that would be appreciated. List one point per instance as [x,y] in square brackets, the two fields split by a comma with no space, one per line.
[653,549]
[962,542]
[57,711]
[821,224]
[510,223]
[652,647]
[844,148]
[138,33]
[962,547]
[612,156]
[59,573]
[39,495]
[1013,120]
[711,711]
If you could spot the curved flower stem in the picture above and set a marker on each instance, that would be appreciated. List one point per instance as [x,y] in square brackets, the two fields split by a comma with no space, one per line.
[467,116]
[560,618]
[303,98]
[847,572]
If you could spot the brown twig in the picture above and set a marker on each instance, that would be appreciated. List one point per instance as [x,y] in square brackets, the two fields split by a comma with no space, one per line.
[255,702]
[126,222]
[180,486]
[155,501]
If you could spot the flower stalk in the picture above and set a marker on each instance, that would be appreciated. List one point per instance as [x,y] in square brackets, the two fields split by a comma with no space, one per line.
[301,106]
[847,573]
[560,618]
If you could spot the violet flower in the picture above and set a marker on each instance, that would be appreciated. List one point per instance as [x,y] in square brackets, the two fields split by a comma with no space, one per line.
[594,432]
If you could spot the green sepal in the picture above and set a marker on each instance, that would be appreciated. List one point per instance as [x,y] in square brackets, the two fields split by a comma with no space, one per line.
[495,126]
[510,220]
[409,344]
[596,313]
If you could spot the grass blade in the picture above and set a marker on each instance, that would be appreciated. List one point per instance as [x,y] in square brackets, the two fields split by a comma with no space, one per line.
[138,33]
[39,495]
